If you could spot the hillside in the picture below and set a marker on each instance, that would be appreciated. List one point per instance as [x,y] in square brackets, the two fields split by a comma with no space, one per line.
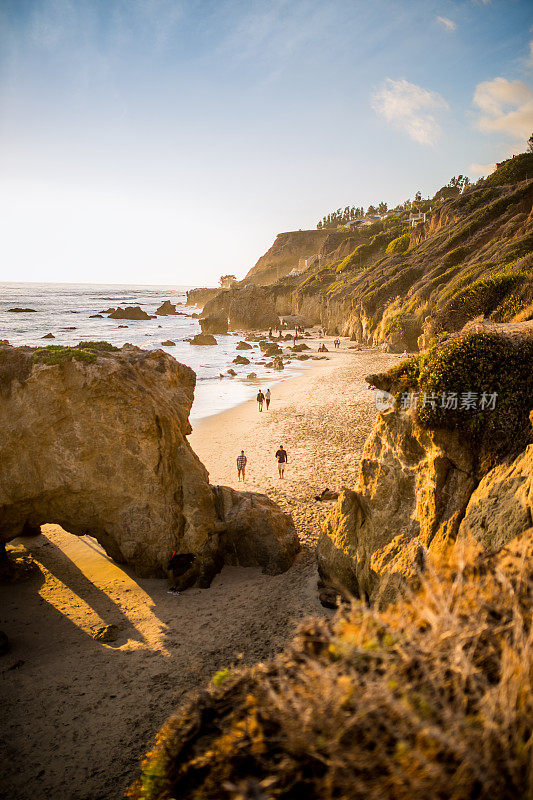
[288,250]
[387,283]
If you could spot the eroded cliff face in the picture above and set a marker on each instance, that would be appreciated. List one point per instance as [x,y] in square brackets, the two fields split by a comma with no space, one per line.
[245,307]
[411,494]
[99,446]
[422,488]
[289,251]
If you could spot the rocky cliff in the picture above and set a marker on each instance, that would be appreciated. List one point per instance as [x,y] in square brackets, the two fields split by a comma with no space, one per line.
[387,284]
[94,439]
[244,307]
[456,461]
[289,251]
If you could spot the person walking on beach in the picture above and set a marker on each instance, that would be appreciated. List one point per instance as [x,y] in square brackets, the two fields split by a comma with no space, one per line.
[267,398]
[281,455]
[337,343]
[241,465]
[260,399]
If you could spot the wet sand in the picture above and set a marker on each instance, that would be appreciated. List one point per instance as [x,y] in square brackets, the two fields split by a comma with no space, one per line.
[78,714]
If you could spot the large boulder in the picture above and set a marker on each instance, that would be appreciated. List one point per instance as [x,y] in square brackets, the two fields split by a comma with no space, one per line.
[203,339]
[247,308]
[166,309]
[214,323]
[258,533]
[95,441]
[130,312]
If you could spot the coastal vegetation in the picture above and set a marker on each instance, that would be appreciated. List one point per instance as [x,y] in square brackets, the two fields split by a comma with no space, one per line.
[442,261]
[488,381]
[430,698]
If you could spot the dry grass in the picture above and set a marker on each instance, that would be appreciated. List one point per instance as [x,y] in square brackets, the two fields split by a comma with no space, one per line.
[429,699]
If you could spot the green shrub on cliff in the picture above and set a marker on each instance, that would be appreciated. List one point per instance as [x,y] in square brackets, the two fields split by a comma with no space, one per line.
[480,384]
[57,354]
[399,245]
[482,296]
[515,169]
[84,351]
[428,699]
[99,346]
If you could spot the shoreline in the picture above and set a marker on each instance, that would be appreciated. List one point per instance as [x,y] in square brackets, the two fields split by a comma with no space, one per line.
[61,687]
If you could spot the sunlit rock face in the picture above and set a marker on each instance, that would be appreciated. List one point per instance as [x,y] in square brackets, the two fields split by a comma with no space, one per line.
[413,488]
[428,484]
[99,447]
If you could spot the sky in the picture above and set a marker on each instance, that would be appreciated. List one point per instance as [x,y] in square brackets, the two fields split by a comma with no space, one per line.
[169,141]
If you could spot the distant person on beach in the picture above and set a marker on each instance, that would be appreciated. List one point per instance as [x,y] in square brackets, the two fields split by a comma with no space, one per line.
[241,465]
[260,399]
[337,343]
[323,349]
[281,456]
[270,333]
[267,398]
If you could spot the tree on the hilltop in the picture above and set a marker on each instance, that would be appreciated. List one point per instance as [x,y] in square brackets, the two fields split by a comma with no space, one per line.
[227,281]
[371,211]
[418,196]
[382,208]
[530,144]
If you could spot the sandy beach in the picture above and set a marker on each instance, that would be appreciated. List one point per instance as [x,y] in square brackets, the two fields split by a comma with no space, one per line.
[78,713]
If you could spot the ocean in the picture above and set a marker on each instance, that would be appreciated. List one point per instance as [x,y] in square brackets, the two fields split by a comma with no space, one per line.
[65,311]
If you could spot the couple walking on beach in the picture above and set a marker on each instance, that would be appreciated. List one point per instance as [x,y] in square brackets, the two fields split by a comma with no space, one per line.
[263,398]
[281,457]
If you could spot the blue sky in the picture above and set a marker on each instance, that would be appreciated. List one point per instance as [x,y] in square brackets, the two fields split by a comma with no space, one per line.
[166,141]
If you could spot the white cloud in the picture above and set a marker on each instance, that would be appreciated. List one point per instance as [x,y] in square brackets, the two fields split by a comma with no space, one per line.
[505,107]
[481,169]
[447,24]
[410,107]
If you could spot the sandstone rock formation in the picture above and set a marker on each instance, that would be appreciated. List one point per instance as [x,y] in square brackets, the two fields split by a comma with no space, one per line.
[203,339]
[258,534]
[244,346]
[130,312]
[501,507]
[247,308]
[96,443]
[413,489]
[22,310]
[199,297]
[166,309]
[214,323]
[421,487]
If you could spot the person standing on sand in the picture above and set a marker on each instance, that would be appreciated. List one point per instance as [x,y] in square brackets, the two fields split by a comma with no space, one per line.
[241,465]
[281,456]
[267,398]
[260,399]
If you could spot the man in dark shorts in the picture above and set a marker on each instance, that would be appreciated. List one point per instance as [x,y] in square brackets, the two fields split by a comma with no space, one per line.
[241,465]
[281,456]
[260,399]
